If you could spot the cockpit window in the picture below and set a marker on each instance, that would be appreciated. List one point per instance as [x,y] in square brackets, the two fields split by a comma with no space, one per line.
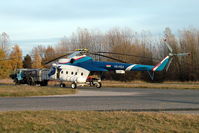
[52,71]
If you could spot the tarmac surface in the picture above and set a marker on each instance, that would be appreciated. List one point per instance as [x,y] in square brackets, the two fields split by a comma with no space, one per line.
[109,99]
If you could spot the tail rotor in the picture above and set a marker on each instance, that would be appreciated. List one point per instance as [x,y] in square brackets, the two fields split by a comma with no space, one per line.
[171,54]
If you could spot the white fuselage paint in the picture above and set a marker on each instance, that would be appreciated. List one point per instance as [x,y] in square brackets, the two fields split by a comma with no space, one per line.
[72,74]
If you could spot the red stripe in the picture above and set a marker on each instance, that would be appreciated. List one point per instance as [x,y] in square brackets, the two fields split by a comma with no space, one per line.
[159,63]
[80,58]
[156,66]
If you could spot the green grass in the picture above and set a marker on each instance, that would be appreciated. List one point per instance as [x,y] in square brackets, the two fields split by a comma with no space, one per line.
[99,122]
[142,84]
[25,90]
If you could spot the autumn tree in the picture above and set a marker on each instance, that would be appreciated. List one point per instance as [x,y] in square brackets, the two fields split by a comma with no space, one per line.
[27,62]
[37,60]
[4,65]
[49,53]
[16,57]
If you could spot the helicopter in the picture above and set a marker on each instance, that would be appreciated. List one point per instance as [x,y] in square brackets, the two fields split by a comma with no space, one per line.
[78,65]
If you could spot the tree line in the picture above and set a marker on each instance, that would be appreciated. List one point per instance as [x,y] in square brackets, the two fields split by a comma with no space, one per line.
[146,48]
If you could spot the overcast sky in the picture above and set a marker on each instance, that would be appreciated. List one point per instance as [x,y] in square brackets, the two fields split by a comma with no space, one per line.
[48,19]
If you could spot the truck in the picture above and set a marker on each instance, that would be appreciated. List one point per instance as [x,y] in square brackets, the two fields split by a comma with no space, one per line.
[31,76]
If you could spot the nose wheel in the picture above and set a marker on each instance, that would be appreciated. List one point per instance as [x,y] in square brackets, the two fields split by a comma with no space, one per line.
[62,85]
[73,85]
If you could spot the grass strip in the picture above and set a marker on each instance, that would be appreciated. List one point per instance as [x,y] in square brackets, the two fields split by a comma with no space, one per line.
[141,84]
[98,122]
[25,90]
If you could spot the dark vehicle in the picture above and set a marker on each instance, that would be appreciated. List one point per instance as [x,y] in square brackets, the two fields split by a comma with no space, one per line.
[31,76]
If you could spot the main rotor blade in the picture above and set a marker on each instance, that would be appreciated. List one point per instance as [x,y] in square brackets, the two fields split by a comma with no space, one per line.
[129,55]
[108,57]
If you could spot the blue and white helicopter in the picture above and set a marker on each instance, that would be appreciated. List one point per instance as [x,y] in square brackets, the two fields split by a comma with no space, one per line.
[77,67]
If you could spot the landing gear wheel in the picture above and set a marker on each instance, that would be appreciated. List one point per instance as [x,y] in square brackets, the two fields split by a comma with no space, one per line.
[73,85]
[62,85]
[98,84]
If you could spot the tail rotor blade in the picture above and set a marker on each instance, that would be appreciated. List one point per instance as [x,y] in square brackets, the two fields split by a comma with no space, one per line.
[182,54]
[171,56]
[167,67]
[168,46]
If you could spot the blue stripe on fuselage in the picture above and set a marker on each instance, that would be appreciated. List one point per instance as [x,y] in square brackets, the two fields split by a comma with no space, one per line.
[88,63]
[139,67]
[110,66]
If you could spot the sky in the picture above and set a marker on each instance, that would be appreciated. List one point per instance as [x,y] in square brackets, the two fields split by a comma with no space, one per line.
[33,22]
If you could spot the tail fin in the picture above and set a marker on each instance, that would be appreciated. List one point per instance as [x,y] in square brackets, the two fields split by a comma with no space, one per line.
[163,64]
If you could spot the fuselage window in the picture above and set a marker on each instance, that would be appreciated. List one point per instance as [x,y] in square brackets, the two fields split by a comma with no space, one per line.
[82,74]
[61,72]
[75,73]
[71,73]
[66,72]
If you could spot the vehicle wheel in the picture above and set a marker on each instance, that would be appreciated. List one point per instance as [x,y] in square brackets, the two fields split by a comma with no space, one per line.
[31,81]
[98,84]
[73,85]
[62,85]
[17,82]
[44,83]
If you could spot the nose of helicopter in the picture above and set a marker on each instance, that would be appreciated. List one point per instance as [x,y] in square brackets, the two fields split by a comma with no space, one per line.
[52,72]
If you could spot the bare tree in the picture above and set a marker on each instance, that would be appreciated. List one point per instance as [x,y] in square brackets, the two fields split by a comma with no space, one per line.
[4,42]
